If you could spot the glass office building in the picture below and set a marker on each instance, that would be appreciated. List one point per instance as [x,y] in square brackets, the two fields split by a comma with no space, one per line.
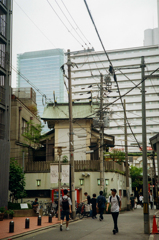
[42,68]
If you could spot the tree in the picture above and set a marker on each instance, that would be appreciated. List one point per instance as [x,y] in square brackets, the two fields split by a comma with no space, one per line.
[136,175]
[33,135]
[116,154]
[16,180]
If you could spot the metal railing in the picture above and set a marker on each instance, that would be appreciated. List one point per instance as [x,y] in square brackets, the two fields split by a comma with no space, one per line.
[3,27]
[2,131]
[2,95]
[2,59]
[4,2]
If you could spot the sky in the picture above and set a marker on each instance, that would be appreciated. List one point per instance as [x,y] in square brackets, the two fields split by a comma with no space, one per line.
[121,24]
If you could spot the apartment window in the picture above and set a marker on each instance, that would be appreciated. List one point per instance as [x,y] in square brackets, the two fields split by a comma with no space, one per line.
[24,126]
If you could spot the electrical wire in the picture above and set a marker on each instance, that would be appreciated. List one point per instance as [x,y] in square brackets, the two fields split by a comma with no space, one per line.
[64,23]
[76,23]
[70,23]
[35,24]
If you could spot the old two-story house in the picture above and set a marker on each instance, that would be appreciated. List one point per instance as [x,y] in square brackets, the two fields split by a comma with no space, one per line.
[86,155]
[23,111]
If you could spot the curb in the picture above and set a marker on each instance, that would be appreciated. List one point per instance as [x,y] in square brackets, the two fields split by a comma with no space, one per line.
[35,230]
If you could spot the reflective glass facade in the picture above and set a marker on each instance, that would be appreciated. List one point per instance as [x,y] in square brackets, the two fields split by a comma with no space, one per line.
[42,68]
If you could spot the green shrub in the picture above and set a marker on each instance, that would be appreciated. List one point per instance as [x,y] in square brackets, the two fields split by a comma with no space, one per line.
[2,209]
[14,206]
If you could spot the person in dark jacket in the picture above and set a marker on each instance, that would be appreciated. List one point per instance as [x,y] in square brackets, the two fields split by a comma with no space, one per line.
[93,201]
[101,204]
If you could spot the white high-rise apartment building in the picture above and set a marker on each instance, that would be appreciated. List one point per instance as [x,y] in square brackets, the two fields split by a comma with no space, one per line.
[86,78]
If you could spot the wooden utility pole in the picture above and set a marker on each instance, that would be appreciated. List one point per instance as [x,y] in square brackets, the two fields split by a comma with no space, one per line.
[71,142]
[101,134]
[126,159]
[144,154]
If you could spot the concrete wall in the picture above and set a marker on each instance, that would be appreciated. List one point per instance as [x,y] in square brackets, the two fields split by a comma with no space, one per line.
[116,180]
[80,143]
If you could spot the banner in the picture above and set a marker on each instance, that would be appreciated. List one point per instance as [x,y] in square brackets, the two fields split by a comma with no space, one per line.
[54,173]
[65,173]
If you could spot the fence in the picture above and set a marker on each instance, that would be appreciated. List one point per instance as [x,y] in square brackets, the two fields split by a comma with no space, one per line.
[93,165]
[2,95]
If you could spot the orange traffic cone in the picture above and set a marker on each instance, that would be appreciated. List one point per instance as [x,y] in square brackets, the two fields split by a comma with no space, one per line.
[154,226]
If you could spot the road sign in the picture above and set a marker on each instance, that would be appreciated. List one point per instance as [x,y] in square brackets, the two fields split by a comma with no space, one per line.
[151,172]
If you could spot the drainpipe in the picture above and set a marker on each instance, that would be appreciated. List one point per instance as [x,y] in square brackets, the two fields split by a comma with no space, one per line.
[20,108]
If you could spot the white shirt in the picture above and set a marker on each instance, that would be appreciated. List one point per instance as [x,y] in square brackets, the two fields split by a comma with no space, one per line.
[64,197]
[114,204]
[151,198]
[141,198]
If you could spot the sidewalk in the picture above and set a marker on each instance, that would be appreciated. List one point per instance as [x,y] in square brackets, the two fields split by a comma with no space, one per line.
[19,226]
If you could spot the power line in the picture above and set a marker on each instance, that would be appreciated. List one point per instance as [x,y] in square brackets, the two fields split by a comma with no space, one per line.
[35,24]
[97,32]
[63,23]
[70,22]
[76,23]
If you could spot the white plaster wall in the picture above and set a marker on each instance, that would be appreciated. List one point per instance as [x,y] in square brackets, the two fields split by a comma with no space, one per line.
[116,180]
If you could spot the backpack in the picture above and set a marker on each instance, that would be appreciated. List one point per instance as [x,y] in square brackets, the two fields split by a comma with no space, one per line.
[117,198]
[65,204]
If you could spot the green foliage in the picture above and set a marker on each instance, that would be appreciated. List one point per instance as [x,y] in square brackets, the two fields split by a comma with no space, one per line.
[116,155]
[33,134]
[16,180]
[135,174]
[14,206]
[2,209]
[64,159]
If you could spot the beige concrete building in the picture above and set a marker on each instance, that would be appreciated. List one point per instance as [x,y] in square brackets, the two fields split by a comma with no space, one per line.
[20,116]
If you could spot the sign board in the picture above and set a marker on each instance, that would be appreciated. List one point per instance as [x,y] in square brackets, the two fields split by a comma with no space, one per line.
[54,173]
[65,173]
[24,205]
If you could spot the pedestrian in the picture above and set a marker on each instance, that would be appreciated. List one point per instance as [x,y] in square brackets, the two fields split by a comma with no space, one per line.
[101,204]
[65,202]
[93,201]
[132,201]
[35,205]
[115,202]
[87,199]
[151,199]
[141,200]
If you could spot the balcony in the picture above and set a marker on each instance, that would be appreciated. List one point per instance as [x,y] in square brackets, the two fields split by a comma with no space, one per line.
[93,165]
[2,63]
[2,95]
[3,31]
[3,8]
[2,131]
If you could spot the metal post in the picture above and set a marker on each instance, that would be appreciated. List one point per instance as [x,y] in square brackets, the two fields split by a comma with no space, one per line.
[101,134]
[27,222]
[71,143]
[126,159]
[144,146]
[157,145]
[59,185]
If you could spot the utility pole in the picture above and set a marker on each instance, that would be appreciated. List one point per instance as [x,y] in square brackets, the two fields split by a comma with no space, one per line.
[126,158]
[71,143]
[144,154]
[101,134]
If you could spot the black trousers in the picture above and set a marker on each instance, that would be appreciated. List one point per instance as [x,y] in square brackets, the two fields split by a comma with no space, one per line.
[101,211]
[151,203]
[115,219]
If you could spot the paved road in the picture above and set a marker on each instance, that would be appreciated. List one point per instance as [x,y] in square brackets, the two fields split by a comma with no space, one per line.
[130,227]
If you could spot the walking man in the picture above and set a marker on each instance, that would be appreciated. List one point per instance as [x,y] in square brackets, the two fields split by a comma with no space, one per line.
[132,201]
[151,199]
[101,204]
[115,202]
[65,202]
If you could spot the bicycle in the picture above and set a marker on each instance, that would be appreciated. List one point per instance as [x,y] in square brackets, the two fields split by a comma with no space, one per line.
[81,211]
